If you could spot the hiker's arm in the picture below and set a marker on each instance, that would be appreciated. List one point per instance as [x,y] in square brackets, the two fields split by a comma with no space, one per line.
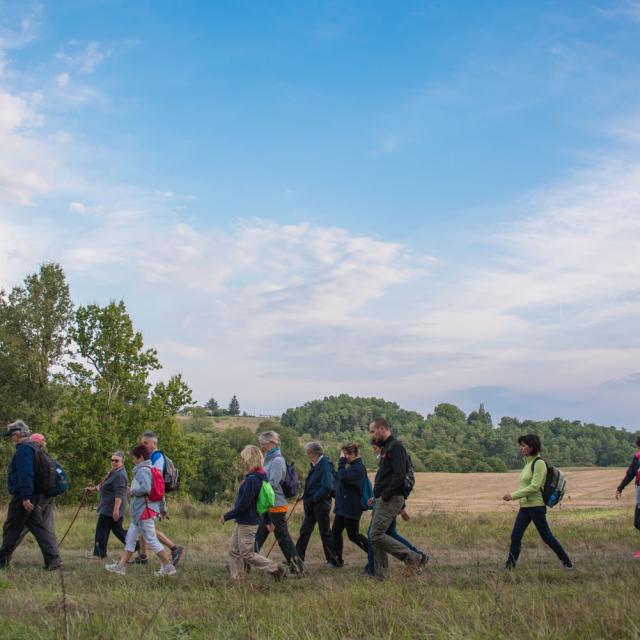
[351,475]
[24,467]
[142,484]
[116,509]
[326,484]
[399,470]
[243,502]
[537,480]
[277,472]
[632,472]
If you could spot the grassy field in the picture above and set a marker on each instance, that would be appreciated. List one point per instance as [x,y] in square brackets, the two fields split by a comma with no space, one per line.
[228,422]
[462,594]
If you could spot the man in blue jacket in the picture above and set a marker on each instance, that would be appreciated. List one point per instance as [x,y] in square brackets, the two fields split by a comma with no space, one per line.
[25,508]
[316,499]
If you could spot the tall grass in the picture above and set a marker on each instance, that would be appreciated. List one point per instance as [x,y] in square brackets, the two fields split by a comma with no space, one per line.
[462,594]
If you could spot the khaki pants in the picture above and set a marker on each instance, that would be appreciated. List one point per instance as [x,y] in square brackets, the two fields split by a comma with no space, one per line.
[242,549]
[382,543]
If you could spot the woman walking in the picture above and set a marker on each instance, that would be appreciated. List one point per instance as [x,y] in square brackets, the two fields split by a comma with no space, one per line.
[348,508]
[633,473]
[111,505]
[532,507]
[245,513]
[145,506]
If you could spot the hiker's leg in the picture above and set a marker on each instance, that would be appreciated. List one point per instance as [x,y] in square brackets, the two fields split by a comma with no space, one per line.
[165,540]
[353,531]
[12,529]
[393,532]
[336,533]
[261,535]
[323,511]
[118,530]
[636,518]
[236,563]
[308,524]
[103,528]
[370,566]
[43,533]
[281,532]
[385,511]
[133,537]
[246,548]
[519,527]
[539,517]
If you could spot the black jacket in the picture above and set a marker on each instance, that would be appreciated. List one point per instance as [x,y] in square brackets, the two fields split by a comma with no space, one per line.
[319,484]
[392,470]
[349,489]
[632,472]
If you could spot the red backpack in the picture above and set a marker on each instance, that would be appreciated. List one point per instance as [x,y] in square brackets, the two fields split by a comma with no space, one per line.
[157,486]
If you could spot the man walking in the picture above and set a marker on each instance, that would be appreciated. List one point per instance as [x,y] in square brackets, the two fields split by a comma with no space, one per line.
[26,505]
[276,469]
[389,493]
[317,503]
[150,440]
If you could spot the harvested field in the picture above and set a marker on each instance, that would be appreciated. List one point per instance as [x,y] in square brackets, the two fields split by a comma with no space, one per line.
[482,492]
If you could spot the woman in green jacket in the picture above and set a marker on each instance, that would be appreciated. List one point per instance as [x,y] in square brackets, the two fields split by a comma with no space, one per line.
[532,507]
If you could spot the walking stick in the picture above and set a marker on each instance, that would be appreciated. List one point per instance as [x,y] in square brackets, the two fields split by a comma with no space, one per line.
[295,504]
[82,501]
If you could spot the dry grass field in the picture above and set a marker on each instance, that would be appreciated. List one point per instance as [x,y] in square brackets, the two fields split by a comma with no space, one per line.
[482,492]
[463,593]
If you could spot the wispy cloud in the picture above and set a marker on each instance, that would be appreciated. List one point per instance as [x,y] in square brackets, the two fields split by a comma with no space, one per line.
[84,58]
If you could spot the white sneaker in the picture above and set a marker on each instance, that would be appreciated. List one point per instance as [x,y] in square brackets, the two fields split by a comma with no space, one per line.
[166,570]
[115,568]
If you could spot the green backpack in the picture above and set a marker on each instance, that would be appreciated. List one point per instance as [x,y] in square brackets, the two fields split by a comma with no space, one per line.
[266,498]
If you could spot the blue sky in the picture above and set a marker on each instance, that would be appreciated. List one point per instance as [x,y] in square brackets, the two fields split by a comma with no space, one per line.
[425,201]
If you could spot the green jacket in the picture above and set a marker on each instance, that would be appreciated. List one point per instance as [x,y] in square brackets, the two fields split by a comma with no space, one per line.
[529,493]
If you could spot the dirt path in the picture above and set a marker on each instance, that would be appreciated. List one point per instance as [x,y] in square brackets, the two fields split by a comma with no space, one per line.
[481,492]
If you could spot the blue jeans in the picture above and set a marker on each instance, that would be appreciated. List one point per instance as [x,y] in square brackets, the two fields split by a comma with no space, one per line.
[537,515]
[393,532]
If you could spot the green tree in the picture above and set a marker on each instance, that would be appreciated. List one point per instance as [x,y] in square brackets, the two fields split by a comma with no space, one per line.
[234,407]
[212,405]
[175,395]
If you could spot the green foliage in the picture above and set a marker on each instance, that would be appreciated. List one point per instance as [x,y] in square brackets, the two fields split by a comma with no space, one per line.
[448,440]
[211,405]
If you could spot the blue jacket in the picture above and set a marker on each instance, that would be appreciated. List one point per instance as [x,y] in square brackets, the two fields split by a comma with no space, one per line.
[21,472]
[244,510]
[349,489]
[319,484]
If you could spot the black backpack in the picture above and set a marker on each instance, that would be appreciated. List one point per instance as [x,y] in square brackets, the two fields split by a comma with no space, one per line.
[291,484]
[49,477]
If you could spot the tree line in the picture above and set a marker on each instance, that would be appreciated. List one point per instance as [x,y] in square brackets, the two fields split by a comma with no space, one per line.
[450,440]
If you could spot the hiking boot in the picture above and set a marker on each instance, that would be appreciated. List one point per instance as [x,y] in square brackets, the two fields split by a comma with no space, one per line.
[331,565]
[280,574]
[139,560]
[413,567]
[165,570]
[296,566]
[115,568]
[176,554]
[568,567]
[52,566]
[424,558]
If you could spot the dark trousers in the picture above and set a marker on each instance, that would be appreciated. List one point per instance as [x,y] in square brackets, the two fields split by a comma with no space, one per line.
[537,515]
[636,517]
[41,528]
[281,532]
[352,525]
[316,512]
[104,526]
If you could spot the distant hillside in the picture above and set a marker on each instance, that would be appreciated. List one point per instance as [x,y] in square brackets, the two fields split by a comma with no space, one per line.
[202,424]
[450,440]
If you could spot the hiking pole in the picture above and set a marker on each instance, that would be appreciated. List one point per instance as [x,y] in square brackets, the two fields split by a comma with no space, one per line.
[295,504]
[82,501]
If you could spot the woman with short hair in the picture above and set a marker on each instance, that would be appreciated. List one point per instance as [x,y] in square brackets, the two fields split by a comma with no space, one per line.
[111,505]
[532,506]
[245,513]
[348,507]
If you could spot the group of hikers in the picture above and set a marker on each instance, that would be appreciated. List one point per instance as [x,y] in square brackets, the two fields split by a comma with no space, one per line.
[262,505]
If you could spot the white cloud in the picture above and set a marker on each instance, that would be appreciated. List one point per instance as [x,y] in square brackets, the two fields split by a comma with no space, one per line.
[84,58]
[63,80]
